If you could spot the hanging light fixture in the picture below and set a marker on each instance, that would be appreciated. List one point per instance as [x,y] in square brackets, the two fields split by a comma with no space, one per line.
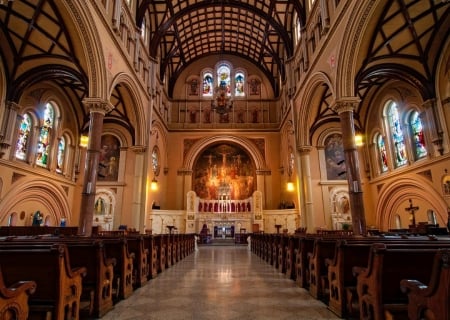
[221,103]
[154,184]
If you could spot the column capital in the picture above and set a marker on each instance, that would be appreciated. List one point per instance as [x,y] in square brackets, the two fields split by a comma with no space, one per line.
[304,149]
[98,105]
[347,104]
[138,149]
[13,106]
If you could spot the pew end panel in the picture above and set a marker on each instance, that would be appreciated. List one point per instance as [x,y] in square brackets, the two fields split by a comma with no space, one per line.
[14,299]
[430,301]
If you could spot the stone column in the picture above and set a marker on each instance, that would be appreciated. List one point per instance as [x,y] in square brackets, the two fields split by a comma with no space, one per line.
[307,216]
[434,124]
[139,187]
[345,108]
[8,133]
[325,16]
[97,108]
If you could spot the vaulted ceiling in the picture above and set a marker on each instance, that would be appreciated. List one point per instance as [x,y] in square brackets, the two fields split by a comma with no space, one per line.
[182,31]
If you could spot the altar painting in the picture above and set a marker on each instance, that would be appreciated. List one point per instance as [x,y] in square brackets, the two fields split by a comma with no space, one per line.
[224,167]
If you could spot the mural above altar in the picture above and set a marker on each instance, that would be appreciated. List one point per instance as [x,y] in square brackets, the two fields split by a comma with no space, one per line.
[224,172]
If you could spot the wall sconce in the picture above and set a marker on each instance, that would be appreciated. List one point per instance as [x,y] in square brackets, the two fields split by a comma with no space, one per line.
[84,141]
[154,184]
[290,186]
[359,140]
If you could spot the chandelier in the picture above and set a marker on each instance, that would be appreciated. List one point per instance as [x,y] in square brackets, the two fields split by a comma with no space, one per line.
[221,103]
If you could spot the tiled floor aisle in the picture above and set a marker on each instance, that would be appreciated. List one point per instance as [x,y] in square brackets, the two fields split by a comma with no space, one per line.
[220,283]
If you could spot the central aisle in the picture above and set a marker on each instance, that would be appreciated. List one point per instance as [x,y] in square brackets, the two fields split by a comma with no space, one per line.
[220,283]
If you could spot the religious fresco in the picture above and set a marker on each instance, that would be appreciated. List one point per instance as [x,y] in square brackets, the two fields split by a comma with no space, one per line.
[109,158]
[224,168]
[334,155]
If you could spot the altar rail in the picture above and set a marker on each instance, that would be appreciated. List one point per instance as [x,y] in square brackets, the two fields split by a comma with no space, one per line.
[225,206]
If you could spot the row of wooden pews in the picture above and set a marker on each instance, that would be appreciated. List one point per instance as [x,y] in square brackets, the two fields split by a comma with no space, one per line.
[372,277]
[72,277]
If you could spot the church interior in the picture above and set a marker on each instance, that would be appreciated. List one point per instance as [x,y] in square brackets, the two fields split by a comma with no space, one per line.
[225,118]
[299,114]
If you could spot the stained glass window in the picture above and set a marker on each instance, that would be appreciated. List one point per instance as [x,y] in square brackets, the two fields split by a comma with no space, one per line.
[224,79]
[398,138]
[43,146]
[24,137]
[417,136]
[60,156]
[239,81]
[382,154]
[208,84]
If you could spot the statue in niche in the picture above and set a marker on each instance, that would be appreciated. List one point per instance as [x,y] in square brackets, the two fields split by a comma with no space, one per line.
[37,219]
[100,206]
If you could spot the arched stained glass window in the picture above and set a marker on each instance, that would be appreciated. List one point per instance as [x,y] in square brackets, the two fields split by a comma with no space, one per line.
[43,146]
[224,78]
[60,156]
[208,84]
[397,135]
[382,154]
[24,137]
[417,136]
[239,81]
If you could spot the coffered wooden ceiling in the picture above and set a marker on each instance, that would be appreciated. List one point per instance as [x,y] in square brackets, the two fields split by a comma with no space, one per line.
[37,35]
[183,31]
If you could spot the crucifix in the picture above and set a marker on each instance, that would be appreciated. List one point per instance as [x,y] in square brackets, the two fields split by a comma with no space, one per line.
[412,210]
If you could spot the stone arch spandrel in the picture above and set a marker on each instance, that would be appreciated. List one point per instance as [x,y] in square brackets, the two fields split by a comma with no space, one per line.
[136,108]
[51,197]
[354,37]
[83,23]
[245,143]
[308,110]
[392,195]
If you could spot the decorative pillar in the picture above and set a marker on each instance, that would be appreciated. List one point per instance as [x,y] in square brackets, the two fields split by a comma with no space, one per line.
[97,108]
[345,108]
[306,196]
[139,187]
[11,121]
[325,16]
[303,42]
[435,125]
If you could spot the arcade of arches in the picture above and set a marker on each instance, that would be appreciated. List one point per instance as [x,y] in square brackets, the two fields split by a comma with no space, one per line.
[115,114]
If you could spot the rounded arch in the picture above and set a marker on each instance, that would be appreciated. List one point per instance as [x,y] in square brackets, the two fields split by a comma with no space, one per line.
[85,28]
[392,195]
[354,36]
[136,107]
[51,198]
[306,114]
[245,143]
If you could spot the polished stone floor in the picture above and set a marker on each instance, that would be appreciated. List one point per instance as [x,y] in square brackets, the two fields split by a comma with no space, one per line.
[220,283]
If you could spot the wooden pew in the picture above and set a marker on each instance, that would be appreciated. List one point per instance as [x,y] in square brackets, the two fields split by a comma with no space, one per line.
[282,251]
[152,255]
[318,272]
[305,245]
[136,245]
[58,285]
[14,298]
[117,248]
[161,252]
[342,283]
[36,230]
[378,284]
[291,249]
[430,301]
[96,299]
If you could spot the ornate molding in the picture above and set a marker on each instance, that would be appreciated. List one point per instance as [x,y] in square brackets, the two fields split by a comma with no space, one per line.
[304,150]
[348,104]
[138,149]
[98,105]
